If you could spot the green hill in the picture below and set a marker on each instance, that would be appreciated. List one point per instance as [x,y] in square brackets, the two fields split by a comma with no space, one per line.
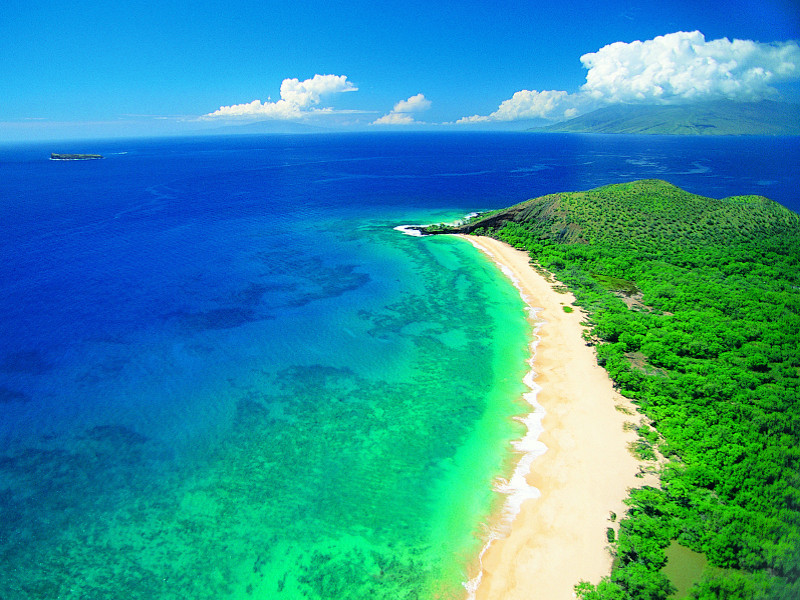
[712,118]
[693,304]
[645,215]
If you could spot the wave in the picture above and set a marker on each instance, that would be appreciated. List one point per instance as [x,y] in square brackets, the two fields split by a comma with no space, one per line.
[414,230]
[517,489]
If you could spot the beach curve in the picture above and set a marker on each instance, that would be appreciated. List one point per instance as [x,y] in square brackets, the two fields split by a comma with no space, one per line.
[582,470]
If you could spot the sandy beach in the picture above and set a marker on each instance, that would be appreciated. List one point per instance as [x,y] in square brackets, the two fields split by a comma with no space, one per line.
[559,538]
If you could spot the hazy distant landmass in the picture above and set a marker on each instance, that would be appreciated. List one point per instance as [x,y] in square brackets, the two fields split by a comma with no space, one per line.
[723,117]
[269,126]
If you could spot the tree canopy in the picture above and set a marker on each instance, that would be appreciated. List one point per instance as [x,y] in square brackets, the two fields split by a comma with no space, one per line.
[694,307]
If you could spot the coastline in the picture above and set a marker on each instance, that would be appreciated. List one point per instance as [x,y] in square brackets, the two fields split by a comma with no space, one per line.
[580,467]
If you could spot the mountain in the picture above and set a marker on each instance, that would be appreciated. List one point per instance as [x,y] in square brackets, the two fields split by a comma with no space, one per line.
[723,117]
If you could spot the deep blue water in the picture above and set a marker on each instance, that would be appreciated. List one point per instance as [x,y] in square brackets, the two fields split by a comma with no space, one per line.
[94,248]
[144,296]
[157,236]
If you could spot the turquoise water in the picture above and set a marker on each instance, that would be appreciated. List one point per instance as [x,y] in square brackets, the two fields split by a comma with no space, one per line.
[223,374]
[359,468]
[310,406]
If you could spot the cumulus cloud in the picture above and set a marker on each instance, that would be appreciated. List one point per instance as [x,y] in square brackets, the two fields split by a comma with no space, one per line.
[670,69]
[530,104]
[308,92]
[394,118]
[413,104]
[399,115]
[298,98]
[683,66]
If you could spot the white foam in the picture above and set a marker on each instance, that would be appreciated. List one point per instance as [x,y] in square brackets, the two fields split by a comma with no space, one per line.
[410,229]
[517,489]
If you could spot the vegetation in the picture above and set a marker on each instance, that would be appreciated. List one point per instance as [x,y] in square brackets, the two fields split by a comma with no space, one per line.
[724,117]
[694,306]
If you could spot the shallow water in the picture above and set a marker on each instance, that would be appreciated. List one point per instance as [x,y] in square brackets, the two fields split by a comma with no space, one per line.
[684,568]
[223,374]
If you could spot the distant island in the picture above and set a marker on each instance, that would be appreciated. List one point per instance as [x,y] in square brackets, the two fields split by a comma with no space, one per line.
[723,117]
[55,156]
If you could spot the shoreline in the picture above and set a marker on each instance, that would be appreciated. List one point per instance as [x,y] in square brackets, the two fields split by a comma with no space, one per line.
[574,469]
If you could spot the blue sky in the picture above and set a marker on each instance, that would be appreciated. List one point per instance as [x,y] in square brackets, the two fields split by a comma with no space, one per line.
[80,69]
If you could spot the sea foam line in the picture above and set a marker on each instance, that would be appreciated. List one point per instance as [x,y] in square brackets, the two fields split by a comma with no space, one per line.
[413,229]
[517,489]
[410,229]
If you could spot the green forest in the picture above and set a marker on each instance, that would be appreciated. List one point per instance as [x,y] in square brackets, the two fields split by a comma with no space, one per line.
[693,304]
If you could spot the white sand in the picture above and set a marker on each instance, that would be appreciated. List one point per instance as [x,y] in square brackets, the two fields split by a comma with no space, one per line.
[559,538]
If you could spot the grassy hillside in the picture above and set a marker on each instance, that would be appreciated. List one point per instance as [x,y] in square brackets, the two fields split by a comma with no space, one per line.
[694,305]
[645,215]
[713,118]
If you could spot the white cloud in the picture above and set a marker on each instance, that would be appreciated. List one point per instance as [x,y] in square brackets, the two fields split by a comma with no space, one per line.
[529,104]
[298,98]
[308,92]
[413,104]
[394,118]
[258,110]
[683,66]
[675,68]
[399,115]
[473,119]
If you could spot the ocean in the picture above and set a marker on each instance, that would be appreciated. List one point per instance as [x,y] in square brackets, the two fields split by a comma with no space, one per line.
[225,375]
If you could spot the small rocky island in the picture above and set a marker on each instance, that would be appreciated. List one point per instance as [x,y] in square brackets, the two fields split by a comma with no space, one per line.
[54,156]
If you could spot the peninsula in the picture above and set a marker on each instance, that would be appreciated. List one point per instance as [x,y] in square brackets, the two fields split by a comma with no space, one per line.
[55,156]
[691,306]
